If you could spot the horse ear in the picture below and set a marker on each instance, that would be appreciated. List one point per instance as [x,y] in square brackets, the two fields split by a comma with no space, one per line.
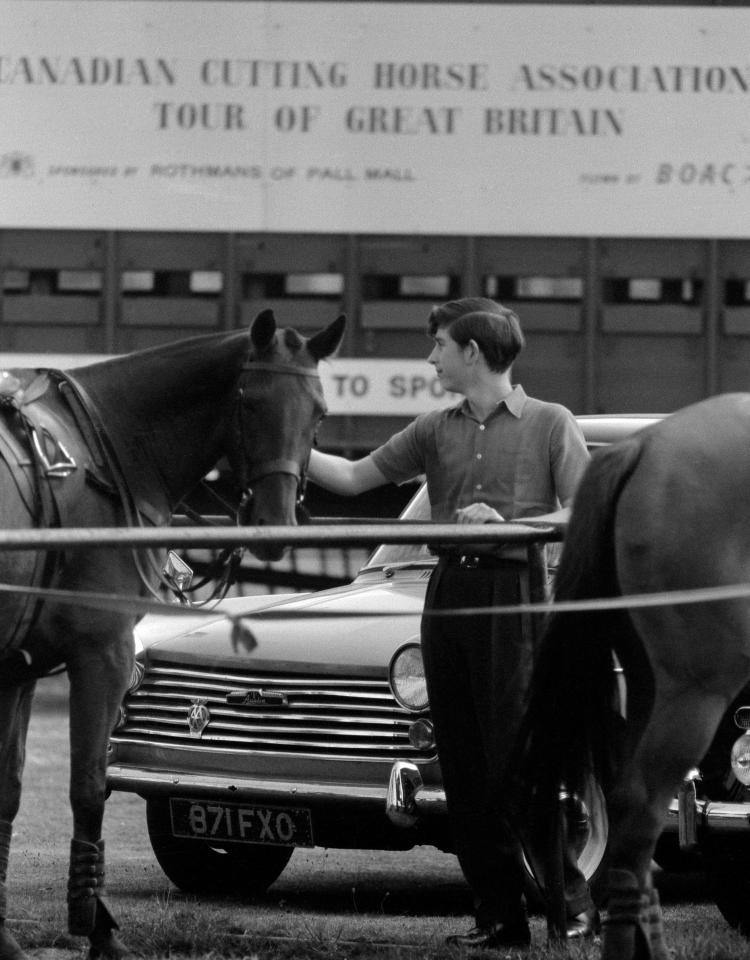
[326,342]
[263,329]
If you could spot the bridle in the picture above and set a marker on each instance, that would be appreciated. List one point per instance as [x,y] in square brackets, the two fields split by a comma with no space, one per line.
[249,475]
[224,567]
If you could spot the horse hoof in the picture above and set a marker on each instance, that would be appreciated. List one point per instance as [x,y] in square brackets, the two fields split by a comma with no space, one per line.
[9,948]
[109,948]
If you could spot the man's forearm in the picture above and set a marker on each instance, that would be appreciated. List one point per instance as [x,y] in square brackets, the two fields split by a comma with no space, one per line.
[346,477]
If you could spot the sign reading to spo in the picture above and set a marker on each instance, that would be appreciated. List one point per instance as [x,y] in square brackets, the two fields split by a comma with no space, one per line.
[382,387]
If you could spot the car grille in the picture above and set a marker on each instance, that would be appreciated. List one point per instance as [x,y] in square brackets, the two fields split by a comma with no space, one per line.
[321,716]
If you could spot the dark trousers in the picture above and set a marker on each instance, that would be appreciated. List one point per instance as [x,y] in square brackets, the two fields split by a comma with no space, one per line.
[478,670]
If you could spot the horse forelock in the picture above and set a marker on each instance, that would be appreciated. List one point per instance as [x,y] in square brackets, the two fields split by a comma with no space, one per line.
[287,346]
[293,340]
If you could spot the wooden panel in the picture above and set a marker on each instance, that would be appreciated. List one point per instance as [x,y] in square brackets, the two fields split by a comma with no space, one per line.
[428,256]
[649,374]
[652,258]
[532,256]
[52,249]
[551,367]
[736,321]
[734,365]
[305,314]
[553,317]
[34,309]
[170,312]
[60,338]
[265,253]
[171,251]
[651,318]
[395,314]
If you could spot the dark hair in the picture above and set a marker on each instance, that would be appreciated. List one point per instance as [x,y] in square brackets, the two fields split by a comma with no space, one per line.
[495,329]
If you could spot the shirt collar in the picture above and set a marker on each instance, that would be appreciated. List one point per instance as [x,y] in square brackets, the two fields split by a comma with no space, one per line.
[514,403]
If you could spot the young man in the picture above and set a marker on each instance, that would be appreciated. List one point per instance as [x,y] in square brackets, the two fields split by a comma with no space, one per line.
[497,455]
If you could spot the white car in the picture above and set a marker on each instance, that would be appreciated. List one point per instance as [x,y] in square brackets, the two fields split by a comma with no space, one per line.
[318,735]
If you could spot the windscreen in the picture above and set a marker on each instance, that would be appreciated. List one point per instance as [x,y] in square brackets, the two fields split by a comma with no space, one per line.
[418,509]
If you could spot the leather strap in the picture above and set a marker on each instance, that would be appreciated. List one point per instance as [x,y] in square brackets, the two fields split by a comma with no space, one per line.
[132,505]
[280,368]
[275,466]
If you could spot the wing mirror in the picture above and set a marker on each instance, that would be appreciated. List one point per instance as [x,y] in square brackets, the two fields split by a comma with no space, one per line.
[178,575]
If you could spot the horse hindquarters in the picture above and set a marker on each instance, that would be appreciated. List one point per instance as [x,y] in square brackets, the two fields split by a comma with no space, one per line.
[568,731]
[574,730]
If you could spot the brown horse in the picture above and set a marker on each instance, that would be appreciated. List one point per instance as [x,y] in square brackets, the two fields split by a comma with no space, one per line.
[114,443]
[665,510]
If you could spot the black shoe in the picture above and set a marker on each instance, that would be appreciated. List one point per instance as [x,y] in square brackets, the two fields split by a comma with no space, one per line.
[584,926]
[499,935]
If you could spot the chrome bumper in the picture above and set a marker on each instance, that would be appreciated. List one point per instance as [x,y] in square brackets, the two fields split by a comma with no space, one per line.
[404,799]
[690,817]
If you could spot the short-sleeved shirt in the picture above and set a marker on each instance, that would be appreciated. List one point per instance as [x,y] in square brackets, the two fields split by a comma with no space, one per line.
[525,459]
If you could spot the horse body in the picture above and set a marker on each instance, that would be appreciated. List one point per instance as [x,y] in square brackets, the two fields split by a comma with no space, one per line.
[664,510]
[163,417]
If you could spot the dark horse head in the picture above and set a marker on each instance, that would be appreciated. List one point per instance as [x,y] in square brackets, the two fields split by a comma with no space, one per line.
[279,407]
[171,413]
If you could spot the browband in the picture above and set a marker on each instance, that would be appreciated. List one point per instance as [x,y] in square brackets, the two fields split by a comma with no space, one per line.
[281,368]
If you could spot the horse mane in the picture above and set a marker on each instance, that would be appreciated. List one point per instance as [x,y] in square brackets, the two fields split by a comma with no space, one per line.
[143,405]
[203,365]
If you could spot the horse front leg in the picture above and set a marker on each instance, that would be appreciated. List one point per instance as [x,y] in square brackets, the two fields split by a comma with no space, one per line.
[15,711]
[98,679]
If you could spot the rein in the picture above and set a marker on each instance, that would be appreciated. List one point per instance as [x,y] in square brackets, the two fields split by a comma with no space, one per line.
[223,569]
[97,439]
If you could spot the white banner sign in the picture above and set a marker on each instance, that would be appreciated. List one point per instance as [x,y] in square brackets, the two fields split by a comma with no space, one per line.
[375,118]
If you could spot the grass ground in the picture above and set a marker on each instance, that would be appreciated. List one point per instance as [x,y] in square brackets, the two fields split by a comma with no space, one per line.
[337,905]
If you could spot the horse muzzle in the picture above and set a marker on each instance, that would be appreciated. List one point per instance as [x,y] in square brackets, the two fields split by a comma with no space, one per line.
[274,499]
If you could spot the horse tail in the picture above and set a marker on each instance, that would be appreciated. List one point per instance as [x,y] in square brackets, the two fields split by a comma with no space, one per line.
[572,726]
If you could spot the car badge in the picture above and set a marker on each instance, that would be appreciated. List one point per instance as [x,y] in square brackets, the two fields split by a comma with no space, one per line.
[255,697]
[198,717]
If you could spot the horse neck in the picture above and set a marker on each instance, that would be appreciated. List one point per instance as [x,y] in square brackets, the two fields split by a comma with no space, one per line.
[170,405]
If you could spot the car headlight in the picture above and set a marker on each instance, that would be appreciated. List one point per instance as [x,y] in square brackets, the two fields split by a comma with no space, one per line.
[740,758]
[407,678]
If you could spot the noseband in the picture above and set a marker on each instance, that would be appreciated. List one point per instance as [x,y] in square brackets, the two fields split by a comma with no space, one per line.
[267,467]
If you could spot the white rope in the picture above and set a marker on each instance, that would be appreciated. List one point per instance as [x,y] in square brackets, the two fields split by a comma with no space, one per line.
[368,534]
[131,604]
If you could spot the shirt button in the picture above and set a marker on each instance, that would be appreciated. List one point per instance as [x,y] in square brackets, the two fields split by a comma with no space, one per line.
[478,486]
[481,426]
[479,456]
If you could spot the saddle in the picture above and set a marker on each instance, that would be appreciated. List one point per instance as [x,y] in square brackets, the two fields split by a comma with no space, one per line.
[45,442]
